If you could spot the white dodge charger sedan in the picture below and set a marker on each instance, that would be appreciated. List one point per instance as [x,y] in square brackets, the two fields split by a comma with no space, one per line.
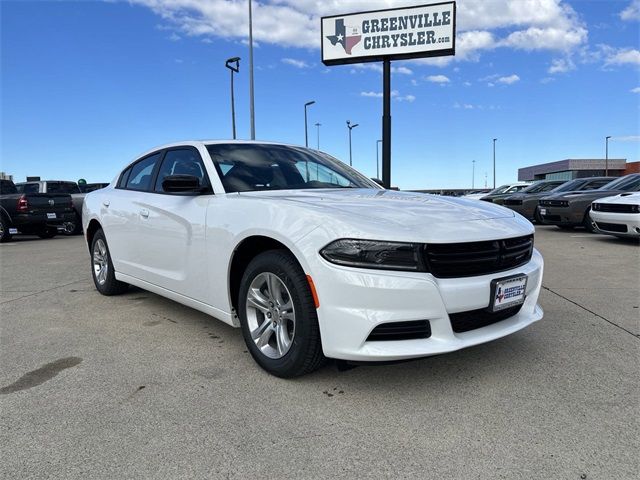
[309,257]
[618,215]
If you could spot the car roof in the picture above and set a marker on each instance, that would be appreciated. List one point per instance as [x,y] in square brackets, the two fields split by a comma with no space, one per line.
[197,143]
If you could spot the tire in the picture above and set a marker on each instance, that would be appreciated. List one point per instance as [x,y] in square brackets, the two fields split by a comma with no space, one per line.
[587,223]
[281,308]
[102,270]
[537,218]
[5,236]
[74,227]
[48,233]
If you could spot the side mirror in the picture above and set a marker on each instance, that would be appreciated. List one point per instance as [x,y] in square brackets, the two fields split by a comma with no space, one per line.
[182,184]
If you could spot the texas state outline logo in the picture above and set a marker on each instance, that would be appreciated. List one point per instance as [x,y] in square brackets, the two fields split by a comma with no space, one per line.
[340,36]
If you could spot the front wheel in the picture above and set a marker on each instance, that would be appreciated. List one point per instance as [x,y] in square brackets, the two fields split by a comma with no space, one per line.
[102,270]
[278,316]
[588,222]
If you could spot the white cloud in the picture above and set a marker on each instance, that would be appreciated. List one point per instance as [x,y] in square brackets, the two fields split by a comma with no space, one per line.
[509,80]
[377,67]
[175,37]
[295,63]
[561,65]
[628,138]
[635,90]
[522,24]
[394,94]
[632,12]
[621,56]
[437,79]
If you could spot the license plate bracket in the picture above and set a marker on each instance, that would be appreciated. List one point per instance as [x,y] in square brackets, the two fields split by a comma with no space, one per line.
[508,291]
[51,216]
[543,211]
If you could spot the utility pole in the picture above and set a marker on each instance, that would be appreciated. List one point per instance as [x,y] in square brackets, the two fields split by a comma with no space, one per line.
[473,174]
[318,125]
[306,136]
[251,106]
[233,69]
[350,127]
[494,162]
[606,156]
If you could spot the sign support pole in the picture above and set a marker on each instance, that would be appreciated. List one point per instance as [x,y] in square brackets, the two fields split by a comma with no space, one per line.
[386,123]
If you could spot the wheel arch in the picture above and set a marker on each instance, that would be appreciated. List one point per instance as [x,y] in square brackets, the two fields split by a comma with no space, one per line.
[92,228]
[246,250]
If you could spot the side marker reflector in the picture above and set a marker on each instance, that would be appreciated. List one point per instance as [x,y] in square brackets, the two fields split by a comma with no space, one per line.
[316,302]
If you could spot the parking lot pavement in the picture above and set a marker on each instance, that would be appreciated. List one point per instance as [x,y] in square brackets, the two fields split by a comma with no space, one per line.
[137,386]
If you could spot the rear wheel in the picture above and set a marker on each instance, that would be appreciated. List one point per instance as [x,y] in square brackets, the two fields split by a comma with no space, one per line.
[5,236]
[278,315]
[73,227]
[102,270]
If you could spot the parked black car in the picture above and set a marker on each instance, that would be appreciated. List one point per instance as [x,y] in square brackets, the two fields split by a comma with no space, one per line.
[32,213]
[570,209]
[526,201]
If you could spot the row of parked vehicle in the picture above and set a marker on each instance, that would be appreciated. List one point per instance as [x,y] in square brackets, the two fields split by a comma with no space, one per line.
[609,205]
[44,208]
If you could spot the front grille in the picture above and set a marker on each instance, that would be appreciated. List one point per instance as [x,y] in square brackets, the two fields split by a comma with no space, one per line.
[454,260]
[612,227]
[615,207]
[401,331]
[513,202]
[466,321]
[551,218]
[554,203]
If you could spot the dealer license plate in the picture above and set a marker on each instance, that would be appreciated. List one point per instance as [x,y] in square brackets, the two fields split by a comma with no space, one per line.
[51,216]
[543,211]
[508,292]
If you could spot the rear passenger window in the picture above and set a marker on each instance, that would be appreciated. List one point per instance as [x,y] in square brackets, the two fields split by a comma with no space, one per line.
[181,162]
[141,172]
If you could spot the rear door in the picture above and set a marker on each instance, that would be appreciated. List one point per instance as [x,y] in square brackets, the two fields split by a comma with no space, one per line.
[172,229]
[121,211]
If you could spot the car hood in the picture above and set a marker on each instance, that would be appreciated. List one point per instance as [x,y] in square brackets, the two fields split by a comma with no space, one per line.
[623,198]
[402,208]
[582,195]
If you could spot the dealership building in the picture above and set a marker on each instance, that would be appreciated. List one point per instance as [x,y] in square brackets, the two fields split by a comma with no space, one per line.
[573,168]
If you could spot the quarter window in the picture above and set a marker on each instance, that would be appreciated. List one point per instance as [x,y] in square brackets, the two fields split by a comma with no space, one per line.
[141,173]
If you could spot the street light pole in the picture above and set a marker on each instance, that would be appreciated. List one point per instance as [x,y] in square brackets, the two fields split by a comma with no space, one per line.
[251,107]
[350,127]
[494,163]
[318,125]
[306,136]
[606,156]
[473,175]
[233,69]
[378,142]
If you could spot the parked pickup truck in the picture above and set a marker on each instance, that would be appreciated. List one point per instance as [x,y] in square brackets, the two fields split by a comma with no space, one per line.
[73,226]
[32,213]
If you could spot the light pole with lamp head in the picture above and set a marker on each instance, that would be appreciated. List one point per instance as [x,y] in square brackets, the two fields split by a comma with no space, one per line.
[306,136]
[473,174]
[350,127]
[233,69]
[606,156]
[494,163]
[318,125]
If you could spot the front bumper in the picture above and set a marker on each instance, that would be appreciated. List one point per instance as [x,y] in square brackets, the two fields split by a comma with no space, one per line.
[629,221]
[354,301]
[527,209]
[560,216]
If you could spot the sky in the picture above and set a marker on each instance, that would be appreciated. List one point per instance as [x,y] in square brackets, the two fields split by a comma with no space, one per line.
[86,86]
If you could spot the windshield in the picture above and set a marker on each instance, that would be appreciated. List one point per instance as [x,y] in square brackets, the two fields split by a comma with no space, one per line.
[569,186]
[251,167]
[501,189]
[539,187]
[627,183]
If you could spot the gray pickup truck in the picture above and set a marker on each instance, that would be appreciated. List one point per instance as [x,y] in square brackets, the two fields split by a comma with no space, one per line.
[73,226]
[39,214]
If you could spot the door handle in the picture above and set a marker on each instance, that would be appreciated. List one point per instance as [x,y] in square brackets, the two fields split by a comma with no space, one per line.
[144,213]
[105,203]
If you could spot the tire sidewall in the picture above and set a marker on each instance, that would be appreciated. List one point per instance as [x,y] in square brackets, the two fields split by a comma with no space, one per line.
[276,262]
[110,283]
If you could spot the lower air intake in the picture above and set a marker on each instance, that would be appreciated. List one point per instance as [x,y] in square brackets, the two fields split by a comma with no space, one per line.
[467,321]
[400,331]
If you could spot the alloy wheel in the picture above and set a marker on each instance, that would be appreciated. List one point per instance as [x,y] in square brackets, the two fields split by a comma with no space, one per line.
[100,261]
[271,315]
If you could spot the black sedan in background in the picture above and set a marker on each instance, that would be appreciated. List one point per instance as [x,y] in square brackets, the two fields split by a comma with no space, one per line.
[526,201]
[571,209]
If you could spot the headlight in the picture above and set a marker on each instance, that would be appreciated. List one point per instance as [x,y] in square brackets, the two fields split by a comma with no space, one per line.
[375,254]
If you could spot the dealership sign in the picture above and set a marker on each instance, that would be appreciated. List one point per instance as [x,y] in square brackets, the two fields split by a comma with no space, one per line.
[393,34]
